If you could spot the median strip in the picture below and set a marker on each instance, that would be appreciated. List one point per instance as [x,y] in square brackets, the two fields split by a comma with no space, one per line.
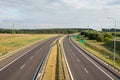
[56,68]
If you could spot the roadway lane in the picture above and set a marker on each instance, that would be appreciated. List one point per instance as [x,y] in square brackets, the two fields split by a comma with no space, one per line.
[82,66]
[24,66]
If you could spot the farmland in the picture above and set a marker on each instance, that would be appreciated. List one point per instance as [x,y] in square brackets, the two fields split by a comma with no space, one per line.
[12,42]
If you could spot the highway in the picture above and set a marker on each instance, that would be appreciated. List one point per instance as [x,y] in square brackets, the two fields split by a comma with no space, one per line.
[83,67]
[23,65]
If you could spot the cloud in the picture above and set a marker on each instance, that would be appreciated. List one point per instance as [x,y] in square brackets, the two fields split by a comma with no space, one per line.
[66,12]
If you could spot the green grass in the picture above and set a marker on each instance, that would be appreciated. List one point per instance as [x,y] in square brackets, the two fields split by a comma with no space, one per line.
[11,42]
[56,67]
[110,46]
[100,51]
[50,71]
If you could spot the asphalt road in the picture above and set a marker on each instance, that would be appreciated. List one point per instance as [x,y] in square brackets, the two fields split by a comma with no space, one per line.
[23,65]
[83,67]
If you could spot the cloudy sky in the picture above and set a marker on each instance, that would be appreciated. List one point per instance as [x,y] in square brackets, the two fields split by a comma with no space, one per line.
[59,13]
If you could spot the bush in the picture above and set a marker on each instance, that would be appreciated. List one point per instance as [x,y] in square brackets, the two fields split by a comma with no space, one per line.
[100,37]
[107,39]
[97,35]
[108,35]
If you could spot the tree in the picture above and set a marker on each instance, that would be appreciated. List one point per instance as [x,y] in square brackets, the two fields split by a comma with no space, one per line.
[100,37]
[107,39]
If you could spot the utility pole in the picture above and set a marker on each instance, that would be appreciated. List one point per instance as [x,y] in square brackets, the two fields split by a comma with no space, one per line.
[115,24]
[88,29]
[12,29]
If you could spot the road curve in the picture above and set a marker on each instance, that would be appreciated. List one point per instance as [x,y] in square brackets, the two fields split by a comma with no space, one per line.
[83,67]
[23,65]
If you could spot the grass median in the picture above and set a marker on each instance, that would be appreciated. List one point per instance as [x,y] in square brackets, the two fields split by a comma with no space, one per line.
[56,68]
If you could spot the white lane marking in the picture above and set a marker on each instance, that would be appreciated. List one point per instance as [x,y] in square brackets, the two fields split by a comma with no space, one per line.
[73,53]
[86,70]
[78,60]
[17,58]
[31,57]
[22,66]
[92,62]
[67,63]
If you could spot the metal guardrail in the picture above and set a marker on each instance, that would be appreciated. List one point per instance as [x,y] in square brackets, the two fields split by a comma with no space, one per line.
[96,60]
[60,53]
[45,58]
[43,63]
[40,65]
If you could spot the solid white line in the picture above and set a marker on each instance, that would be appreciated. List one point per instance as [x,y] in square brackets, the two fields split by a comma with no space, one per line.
[22,66]
[17,58]
[31,57]
[86,70]
[92,61]
[67,63]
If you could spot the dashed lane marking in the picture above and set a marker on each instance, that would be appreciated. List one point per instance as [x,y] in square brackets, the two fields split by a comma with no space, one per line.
[86,70]
[22,66]
[31,57]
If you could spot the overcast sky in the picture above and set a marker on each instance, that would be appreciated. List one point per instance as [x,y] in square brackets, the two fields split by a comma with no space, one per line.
[59,13]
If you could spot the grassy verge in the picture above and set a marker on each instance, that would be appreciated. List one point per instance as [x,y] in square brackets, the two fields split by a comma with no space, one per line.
[99,51]
[109,45]
[12,42]
[51,65]
[63,63]
[56,68]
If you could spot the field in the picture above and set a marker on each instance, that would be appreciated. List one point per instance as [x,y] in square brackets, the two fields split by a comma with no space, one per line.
[12,42]
[98,49]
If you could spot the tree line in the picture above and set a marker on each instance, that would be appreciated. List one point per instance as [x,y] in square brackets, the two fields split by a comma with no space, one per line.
[110,30]
[42,31]
[99,36]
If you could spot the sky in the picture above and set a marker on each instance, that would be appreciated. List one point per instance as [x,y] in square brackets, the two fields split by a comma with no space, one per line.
[39,14]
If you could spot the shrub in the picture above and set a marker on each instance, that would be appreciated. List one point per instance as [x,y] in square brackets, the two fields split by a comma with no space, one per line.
[97,35]
[107,39]
[100,37]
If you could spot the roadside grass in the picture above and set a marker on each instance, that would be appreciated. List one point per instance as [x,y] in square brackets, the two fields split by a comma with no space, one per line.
[110,46]
[100,51]
[50,71]
[63,73]
[11,42]
[56,68]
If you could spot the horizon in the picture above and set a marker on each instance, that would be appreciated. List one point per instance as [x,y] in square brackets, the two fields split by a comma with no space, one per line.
[35,14]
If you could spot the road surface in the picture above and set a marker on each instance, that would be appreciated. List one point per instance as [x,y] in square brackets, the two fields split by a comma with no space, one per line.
[83,67]
[23,65]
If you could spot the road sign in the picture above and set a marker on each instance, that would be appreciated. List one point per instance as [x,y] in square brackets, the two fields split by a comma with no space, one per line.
[75,36]
[82,41]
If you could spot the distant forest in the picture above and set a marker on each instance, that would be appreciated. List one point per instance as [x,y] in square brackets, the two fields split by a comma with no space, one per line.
[110,30]
[42,31]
